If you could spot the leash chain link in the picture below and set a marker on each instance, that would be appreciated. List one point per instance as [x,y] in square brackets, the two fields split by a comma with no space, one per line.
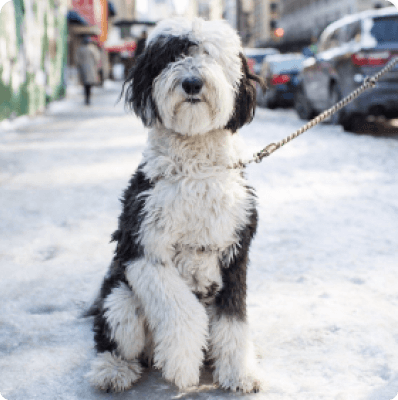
[369,82]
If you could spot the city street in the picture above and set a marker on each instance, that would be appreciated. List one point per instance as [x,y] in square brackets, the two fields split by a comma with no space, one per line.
[323,278]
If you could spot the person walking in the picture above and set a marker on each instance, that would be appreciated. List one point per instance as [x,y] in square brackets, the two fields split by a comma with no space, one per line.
[87,61]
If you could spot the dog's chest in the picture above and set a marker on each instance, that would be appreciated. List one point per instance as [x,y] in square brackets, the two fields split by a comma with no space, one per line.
[196,213]
[196,220]
[197,207]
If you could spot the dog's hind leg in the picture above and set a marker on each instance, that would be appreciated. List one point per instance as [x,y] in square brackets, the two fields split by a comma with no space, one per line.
[111,373]
[120,339]
[175,316]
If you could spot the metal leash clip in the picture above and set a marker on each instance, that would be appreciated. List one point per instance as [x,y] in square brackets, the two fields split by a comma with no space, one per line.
[265,152]
[370,80]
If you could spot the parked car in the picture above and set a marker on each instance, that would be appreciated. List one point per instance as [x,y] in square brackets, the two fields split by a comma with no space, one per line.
[280,73]
[349,50]
[255,57]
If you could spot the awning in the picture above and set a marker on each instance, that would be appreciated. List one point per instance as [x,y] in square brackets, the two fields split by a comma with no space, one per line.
[75,18]
[125,22]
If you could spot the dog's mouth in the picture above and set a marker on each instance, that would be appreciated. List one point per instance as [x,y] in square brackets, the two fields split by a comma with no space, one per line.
[192,100]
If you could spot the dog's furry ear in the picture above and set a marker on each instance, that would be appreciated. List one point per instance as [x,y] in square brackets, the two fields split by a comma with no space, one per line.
[138,95]
[245,100]
[155,58]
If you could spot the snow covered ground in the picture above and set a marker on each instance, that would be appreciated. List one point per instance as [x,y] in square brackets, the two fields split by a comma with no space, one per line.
[323,282]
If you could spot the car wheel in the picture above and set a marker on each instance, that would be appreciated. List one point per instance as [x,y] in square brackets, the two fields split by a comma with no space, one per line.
[302,105]
[335,97]
[350,122]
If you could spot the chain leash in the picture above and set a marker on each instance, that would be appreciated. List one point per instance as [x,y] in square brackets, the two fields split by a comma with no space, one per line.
[369,83]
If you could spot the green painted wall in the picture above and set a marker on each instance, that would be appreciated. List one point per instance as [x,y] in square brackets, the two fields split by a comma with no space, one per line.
[33,51]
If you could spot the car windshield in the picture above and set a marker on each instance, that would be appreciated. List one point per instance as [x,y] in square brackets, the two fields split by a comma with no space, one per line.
[257,57]
[259,54]
[385,29]
[287,65]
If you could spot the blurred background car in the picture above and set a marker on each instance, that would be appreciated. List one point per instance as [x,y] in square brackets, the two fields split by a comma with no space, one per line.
[255,57]
[350,49]
[280,73]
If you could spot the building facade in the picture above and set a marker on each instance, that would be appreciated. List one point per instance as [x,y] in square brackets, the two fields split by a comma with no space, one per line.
[240,15]
[216,9]
[304,20]
[125,9]
[33,50]
[266,22]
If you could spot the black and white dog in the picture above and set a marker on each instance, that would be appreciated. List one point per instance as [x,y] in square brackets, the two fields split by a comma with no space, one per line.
[175,292]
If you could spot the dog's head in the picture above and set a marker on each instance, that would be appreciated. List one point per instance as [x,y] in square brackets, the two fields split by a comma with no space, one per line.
[192,78]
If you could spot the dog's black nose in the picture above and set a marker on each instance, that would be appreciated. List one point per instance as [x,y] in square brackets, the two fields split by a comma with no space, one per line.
[192,85]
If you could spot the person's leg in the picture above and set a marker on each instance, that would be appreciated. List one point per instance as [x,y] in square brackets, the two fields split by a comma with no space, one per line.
[87,92]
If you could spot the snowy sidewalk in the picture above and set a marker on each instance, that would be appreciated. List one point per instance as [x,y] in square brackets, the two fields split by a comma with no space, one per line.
[323,279]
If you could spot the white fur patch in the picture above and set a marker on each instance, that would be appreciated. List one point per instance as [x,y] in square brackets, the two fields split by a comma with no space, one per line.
[198,268]
[111,372]
[126,320]
[234,363]
[199,202]
[178,321]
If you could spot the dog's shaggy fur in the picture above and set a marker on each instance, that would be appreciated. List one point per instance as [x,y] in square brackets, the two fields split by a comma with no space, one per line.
[175,293]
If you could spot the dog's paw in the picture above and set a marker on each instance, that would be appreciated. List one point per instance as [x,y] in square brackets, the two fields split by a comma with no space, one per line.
[183,372]
[180,360]
[246,384]
[113,374]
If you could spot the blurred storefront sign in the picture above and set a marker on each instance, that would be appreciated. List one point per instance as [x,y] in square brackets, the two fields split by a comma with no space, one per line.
[95,12]
[85,8]
[128,47]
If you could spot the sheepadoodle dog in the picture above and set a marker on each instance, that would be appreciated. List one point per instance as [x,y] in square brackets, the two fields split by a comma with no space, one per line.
[175,294]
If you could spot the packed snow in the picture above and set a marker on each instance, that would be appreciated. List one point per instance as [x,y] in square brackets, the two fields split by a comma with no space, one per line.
[322,283]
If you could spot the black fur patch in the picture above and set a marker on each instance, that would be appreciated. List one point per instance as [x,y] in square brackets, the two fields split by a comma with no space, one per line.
[245,100]
[102,331]
[130,220]
[127,249]
[157,55]
[231,300]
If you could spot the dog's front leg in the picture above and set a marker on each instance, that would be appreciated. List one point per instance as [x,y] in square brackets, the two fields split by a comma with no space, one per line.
[230,347]
[177,319]
[232,354]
